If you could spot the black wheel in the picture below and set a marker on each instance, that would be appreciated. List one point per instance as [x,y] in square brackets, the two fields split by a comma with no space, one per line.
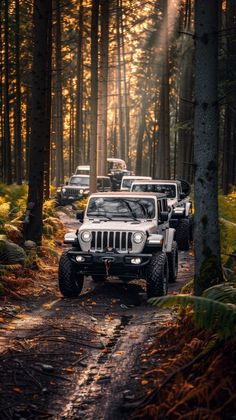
[157,275]
[58,201]
[98,279]
[173,263]
[182,234]
[70,283]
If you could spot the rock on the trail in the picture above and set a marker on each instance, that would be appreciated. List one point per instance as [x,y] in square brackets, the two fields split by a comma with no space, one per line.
[11,253]
[30,245]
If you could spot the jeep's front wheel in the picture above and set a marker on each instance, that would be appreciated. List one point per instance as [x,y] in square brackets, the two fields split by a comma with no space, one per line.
[182,234]
[157,275]
[70,283]
[173,263]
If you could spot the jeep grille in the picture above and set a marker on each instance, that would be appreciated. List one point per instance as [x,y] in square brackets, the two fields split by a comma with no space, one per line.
[71,191]
[121,241]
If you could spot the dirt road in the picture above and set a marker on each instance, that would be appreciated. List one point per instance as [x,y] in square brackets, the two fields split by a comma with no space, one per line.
[73,358]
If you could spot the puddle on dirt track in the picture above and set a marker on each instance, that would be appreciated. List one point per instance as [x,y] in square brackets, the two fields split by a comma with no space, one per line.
[72,358]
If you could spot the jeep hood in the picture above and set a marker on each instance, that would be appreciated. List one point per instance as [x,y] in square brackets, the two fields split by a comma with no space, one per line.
[76,187]
[119,225]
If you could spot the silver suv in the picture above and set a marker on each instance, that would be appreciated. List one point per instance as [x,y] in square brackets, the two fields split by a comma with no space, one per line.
[78,187]
[126,235]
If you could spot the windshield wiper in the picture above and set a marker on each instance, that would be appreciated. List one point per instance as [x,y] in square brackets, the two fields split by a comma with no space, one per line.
[99,216]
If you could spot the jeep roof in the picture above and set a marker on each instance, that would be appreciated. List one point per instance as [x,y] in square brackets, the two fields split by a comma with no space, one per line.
[158,181]
[129,194]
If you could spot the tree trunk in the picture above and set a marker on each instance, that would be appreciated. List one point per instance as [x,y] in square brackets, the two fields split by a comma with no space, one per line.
[207,240]
[121,147]
[33,226]
[71,133]
[79,144]
[102,138]
[163,145]
[28,132]
[18,143]
[229,141]
[47,159]
[7,171]
[1,102]
[126,102]
[94,95]
[185,132]
[59,110]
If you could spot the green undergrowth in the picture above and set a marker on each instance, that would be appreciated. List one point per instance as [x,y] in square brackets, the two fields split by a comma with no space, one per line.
[13,201]
[227,207]
[227,213]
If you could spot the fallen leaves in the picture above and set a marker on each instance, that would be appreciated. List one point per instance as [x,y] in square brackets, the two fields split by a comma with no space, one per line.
[69,370]
[18,390]
[144,382]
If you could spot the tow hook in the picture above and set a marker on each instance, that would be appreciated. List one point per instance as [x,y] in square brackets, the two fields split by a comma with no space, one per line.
[107,263]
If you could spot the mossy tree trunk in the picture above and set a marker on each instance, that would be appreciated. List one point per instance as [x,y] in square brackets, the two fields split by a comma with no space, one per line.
[207,239]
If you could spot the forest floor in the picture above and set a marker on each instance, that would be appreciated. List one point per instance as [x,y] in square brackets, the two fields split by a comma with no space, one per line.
[77,358]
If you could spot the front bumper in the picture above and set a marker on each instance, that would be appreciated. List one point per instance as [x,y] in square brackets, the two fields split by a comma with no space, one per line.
[109,263]
[71,199]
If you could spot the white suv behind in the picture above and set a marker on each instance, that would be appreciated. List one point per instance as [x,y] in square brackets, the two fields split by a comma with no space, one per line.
[127,181]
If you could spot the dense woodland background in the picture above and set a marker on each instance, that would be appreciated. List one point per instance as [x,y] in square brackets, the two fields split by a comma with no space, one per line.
[136,58]
[152,82]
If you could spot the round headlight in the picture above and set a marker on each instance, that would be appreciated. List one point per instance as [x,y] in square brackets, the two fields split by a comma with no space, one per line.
[86,236]
[81,191]
[138,237]
[63,190]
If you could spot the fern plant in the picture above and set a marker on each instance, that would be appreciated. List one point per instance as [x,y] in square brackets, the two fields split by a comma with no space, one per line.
[214,310]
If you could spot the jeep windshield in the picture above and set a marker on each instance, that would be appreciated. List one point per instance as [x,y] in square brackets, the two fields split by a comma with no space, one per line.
[121,207]
[168,189]
[82,181]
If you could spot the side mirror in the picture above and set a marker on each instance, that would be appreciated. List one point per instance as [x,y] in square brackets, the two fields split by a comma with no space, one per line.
[164,216]
[182,195]
[80,215]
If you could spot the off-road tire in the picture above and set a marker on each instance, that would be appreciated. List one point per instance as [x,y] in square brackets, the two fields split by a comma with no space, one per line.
[58,202]
[70,283]
[173,263]
[182,235]
[157,275]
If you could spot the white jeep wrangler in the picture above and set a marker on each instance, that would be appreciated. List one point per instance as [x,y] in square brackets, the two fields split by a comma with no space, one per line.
[179,203]
[126,235]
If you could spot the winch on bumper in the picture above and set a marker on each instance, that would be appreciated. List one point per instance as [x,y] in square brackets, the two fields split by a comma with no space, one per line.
[109,263]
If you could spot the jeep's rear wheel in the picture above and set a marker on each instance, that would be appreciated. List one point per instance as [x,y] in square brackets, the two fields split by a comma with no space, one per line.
[157,275]
[70,282]
[182,234]
[173,263]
